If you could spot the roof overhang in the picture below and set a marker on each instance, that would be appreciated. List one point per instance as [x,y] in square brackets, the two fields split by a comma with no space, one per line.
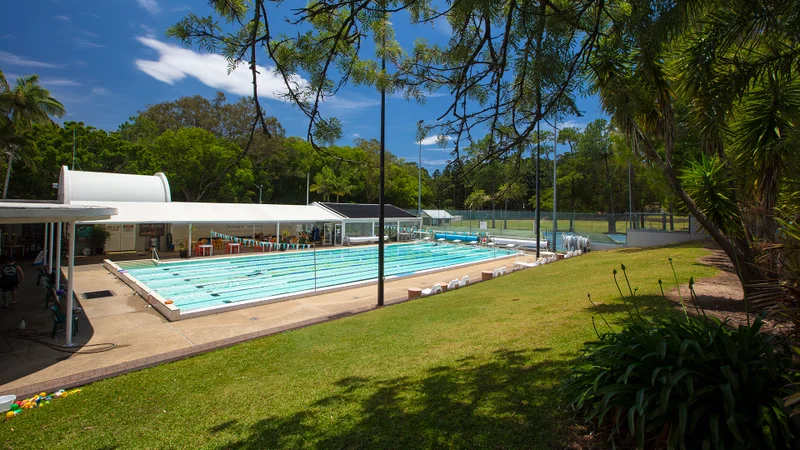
[196,213]
[17,212]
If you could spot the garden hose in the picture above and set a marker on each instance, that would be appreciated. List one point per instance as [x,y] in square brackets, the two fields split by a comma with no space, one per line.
[37,336]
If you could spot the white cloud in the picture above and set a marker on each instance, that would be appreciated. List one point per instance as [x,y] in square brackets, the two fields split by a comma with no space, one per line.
[64,18]
[100,91]
[356,135]
[7,36]
[150,5]
[176,63]
[83,43]
[58,82]
[341,103]
[435,162]
[571,123]
[14,60]
[148,32]
[433,140]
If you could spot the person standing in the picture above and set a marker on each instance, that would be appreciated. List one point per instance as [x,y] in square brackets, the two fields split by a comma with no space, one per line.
[12,276]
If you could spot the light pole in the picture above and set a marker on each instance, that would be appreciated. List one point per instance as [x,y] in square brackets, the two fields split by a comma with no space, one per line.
[421,135]
[260,187]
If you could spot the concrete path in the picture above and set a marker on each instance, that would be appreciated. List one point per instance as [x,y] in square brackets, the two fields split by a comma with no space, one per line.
[144,338]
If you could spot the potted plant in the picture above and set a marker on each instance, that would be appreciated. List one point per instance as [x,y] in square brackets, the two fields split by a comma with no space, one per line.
[182,251]
[99,237]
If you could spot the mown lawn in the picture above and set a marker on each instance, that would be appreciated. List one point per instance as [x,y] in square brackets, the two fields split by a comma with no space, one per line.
[475,368]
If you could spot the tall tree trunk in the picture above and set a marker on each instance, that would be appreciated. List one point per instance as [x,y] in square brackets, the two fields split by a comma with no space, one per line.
[8,173]
[612,223]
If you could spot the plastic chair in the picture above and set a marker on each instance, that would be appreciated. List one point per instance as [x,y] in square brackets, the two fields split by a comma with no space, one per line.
[51,293]
[464,281]
[453,284]
[435,289]
[60,319]
[42,274]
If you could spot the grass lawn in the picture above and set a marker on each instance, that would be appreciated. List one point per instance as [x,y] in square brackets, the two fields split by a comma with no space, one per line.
[474,368]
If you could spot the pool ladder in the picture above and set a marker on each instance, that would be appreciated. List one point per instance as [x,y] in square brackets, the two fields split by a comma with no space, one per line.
[155,258]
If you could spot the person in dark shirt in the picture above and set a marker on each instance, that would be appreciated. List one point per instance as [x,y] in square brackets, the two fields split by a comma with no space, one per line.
[10,277]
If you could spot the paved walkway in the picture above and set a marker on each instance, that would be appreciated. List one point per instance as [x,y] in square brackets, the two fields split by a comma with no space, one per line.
[144,338]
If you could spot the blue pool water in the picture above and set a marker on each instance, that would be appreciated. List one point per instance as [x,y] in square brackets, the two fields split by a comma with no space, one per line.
[207,283]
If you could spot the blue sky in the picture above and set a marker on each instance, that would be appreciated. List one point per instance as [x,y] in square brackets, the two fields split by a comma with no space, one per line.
[106,60]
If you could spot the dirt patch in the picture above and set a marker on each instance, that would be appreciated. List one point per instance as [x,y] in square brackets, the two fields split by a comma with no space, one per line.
[722,296]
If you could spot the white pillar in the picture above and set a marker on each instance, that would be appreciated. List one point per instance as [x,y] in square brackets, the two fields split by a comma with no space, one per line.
[189,242]
[278,233]
[50,238]
[44,246]
[373,228]
[398,231]
[58,256]
[211,252]
[344,225]
[70,282]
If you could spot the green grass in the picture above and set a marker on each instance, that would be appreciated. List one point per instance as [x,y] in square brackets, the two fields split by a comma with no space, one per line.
[479,368]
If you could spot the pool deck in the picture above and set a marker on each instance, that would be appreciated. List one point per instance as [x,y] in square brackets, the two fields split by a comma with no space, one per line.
[144,338]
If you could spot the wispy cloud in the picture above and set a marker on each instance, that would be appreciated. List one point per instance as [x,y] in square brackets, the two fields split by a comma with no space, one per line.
[20,61]
[84,43]
[572,124]
[433,140]
[177,63]
[356,135]
[434,162]
[7,36]
[181,8]
[148,31]
[58,82]
[66,19]
[150,5]
[99,90]
[338,102]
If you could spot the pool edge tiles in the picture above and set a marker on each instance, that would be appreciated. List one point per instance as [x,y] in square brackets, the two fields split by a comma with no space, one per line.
[173,311]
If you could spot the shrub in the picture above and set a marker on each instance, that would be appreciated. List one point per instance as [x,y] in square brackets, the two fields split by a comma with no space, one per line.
[688,382]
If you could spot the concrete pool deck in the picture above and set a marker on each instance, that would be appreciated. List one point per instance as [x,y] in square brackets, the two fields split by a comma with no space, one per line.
[144,338]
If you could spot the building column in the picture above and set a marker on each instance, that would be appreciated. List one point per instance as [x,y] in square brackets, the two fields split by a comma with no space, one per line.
[70,282]
[344,225]
[189,242]
[44,246]
[58,256]
[278,232]
[398,231]
[50,239]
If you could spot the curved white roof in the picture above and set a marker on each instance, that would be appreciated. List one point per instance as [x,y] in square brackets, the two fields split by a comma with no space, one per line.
[112,187]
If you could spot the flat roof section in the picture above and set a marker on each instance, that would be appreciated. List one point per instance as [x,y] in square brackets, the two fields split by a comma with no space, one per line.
[191,212]
[368,211]
[19,212]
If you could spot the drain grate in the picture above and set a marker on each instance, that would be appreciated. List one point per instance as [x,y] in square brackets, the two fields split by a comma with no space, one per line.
[98,294]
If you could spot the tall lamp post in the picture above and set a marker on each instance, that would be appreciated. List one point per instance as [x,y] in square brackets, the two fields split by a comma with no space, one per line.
[381,199]
[260,187]
[421,135]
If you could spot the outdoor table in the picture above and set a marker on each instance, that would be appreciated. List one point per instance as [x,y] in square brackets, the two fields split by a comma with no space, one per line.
[205,247]
[231,246]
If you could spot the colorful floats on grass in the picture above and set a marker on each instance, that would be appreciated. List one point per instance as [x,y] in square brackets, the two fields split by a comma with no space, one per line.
[37,401]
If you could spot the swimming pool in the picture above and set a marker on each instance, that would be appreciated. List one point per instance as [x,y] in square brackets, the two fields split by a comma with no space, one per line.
[205,284]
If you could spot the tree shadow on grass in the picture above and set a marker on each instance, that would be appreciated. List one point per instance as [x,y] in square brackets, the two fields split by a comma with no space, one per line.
[500,402]
[649,305]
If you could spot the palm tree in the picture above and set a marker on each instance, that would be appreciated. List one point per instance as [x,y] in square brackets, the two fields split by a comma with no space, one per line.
[324,183]
[27,103]
[704,73]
